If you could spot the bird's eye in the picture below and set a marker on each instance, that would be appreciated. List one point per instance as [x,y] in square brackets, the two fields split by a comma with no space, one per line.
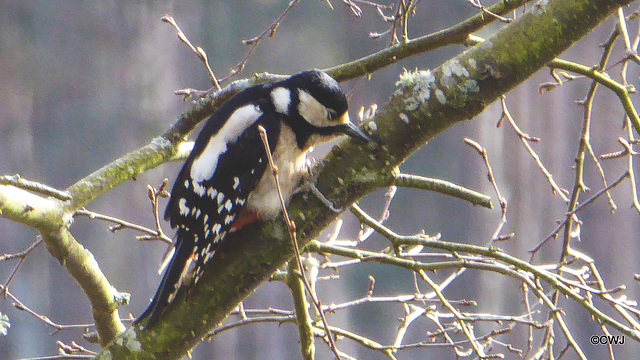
[332,114]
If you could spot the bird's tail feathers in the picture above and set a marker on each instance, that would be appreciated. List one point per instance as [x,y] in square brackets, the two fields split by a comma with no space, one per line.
[171,281]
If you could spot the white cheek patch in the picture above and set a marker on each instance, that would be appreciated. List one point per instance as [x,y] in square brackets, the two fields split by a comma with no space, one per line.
[204,166]
[281,98]
[311,110]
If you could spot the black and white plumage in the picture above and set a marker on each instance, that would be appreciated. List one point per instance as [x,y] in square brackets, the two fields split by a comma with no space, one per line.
[224,181]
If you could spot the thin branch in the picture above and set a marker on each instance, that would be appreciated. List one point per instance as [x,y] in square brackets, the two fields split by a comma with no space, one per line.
[620,90]
[292,234]
[631,169]
[468,332]
[503,202]
[154,195]
[252,320]
[303,320]
[457,34]
[442,187]
[366,231]
[122,224]
[544,275]
[61,357]
[22,255]
[22,307]
[364,341]
[569,215]
[400,299]
[200,53]
[255,41]
[476,4]
[19,182]
[412,313]
[525,139]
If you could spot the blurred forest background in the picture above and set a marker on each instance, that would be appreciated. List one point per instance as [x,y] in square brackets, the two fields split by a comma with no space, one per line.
[82,83]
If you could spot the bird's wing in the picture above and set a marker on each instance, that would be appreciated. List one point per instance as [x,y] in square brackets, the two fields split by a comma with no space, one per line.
[210,191]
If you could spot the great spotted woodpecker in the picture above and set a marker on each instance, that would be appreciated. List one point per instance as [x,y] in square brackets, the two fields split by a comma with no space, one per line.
[224,183]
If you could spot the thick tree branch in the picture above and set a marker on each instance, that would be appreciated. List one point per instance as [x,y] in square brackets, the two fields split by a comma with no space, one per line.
[82,266]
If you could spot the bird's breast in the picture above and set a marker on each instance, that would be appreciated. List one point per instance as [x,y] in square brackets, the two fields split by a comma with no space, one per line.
[291,162]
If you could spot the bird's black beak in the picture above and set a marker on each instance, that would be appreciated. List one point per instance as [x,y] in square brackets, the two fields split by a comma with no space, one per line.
[352,130]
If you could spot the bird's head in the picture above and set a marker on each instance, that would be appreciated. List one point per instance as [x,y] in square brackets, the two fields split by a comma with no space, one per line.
[315,108]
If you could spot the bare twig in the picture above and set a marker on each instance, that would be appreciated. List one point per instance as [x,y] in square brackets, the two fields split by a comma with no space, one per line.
[366,231]
[200,53]
[468,332]
[442,187]
[157,234]
[412,312]
[122,224]
[154,195]
[525,139]
[19,182]
[292,234]
[476,4]
[578,208]
[253,320]
[255,41]
[22,307]
[503,202]
[22,255]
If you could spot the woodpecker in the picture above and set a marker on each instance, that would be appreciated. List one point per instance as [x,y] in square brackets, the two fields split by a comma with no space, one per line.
[224,184]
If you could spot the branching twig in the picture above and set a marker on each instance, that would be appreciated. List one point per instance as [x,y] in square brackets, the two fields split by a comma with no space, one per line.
[569,215]
[468,332]
[154,195]
[200,53]
[22,255]
[503,202]
[525,139]
[157,234]
[618,89]
[122,224]
[366,231]
[22,307]
[412,312]
[476,4]
[253,42]
[73,351]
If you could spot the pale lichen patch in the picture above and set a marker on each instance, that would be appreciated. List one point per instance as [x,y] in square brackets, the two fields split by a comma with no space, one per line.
[371,126]
[540,7]
[440,96]
[451,71]
[454,67]
[411,104]
[132,343]
[469,86]
[421,82]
